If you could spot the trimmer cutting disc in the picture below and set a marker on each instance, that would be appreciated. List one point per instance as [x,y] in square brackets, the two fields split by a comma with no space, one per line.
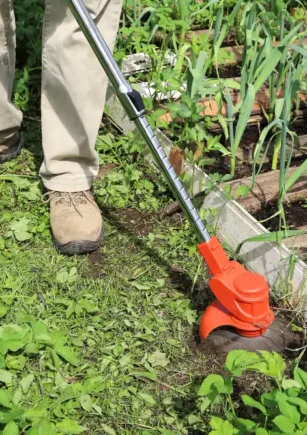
[278,338]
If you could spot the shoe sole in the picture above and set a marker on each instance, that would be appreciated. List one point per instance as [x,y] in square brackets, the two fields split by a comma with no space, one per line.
[8,157]
[78,247]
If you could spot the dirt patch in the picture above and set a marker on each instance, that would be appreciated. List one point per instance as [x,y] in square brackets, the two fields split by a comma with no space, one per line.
[137,223]
[279,338]
[299,126]
[96,260]
[140,224]
[104,170]
[226,72]
[199,292]
[296,215]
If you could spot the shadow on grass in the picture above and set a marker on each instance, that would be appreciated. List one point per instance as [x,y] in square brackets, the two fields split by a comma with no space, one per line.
[198,292]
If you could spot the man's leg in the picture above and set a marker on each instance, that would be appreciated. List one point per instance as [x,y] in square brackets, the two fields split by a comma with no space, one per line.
[73,96]
[10,117]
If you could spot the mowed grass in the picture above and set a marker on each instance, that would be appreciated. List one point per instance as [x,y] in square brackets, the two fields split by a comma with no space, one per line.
[111,336]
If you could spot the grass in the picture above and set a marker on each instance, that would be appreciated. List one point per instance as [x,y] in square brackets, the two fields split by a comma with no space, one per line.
[126,313]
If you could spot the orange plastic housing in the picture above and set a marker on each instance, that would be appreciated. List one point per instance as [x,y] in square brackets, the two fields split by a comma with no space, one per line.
[242,296]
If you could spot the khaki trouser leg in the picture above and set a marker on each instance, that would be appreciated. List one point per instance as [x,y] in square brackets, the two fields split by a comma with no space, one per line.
[73,94]
[10,117]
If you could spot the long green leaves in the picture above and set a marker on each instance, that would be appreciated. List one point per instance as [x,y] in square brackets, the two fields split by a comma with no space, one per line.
[273,237]
[244,116]
[295,176]
[196,74]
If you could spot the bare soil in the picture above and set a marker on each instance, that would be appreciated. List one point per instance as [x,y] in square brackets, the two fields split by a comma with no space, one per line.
[296,215]
[226,72]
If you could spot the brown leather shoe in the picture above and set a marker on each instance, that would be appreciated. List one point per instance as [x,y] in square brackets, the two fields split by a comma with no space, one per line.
[11,148]
[75,220]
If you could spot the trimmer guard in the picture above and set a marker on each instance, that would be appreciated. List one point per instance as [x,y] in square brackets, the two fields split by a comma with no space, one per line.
[242,296]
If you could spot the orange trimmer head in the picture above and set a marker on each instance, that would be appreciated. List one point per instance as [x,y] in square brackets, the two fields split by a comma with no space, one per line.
[242,296]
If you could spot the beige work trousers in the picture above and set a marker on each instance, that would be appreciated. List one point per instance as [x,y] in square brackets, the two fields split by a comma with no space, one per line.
[73,90]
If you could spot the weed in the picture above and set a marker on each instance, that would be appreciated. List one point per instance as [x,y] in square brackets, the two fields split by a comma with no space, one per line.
[280,410]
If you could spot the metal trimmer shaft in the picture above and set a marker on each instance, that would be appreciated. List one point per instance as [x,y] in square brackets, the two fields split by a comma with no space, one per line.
[135,109]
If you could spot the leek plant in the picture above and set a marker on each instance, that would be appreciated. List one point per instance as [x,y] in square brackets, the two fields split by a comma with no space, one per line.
[277,80]
[281,131]
[259,61]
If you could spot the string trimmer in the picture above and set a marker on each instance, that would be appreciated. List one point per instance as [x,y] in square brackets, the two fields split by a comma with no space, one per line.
[242,297]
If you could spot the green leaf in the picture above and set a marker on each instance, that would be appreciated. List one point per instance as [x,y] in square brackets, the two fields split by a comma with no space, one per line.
[268,66]
[44,427]
[6,377]
[95,385]
[221,427]
[20,229]
[3,348]
[244,116]
[35,413]
[15,362]
[26,382]
[19,182]
[40,332]
[284,424]
[247,424]
[268,363]
[194,419]
[11,429]
[287,409]
[301,377]
[70,310]
[108,430]
[274,236]
[88,306]
[236,361]
[290,383]
[15,337]
[70,427]
[4,399]
[73,391]
[243,190]
[301,170]
[147,398]
[184,10]
[62,276]
[249,401]
[32,349]
[302,404]
[196,74]
[17,397]
[158,359]
[86,402]
[152,376]
[7,417]
[261,431]
[167,432]
[68,354]
[3,310]
[213,384]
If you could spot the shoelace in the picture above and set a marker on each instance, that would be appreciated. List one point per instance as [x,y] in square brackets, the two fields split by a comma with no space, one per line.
[73,198]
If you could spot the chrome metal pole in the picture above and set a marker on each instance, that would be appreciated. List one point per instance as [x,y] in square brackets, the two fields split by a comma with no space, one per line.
[134,106]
